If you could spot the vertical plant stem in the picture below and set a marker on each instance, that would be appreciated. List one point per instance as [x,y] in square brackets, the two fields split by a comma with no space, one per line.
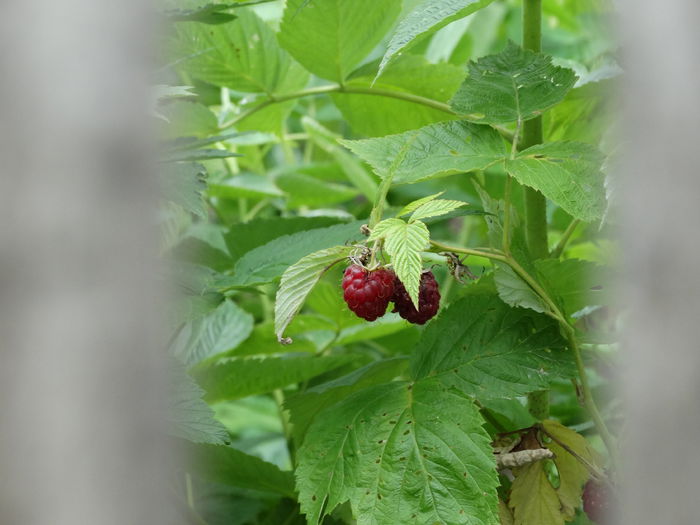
[535,203]
[379,202]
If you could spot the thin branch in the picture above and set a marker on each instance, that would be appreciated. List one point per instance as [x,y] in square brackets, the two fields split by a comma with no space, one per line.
[559,248]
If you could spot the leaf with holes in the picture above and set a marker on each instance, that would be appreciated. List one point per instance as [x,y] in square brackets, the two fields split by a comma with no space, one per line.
[299,279]
[514,85]
[436,150]
[485,348]
[400,453]
[403,242]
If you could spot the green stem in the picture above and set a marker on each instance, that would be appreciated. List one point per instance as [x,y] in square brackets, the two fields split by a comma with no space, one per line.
[535,203]
[380,201]
[559,248]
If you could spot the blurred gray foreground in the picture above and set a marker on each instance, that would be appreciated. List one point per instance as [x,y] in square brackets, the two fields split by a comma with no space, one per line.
[79,381]
[661,245]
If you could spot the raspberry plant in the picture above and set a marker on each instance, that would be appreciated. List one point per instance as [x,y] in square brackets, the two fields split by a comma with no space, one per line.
[326,159]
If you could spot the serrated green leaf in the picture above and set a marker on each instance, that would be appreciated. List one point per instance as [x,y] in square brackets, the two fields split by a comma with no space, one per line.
[423,21]
[404,242]
[188,119]
[237,377]
[330,37]
[220,331]
[229,466]
[371,115]
[435,208]
[568,173]
[440,149]
[299,279]
[188,416]
[412,206]
[516,292]
[183,183]
[400,453]
[243,55]
[485,348]
[304,407]
[533,499]
[575,283]
[268,262]
[514,85]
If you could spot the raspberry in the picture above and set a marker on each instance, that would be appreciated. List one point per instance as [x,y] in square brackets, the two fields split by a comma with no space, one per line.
[368,293]
[428,300]
[596,501]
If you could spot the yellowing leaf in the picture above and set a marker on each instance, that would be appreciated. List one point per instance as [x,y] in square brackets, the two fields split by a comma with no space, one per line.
[533,499]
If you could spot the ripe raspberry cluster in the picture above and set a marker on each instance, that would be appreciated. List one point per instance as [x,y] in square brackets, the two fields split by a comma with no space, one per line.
[368,293]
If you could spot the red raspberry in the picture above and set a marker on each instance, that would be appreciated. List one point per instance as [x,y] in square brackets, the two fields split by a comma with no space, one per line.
[428,300]
[596,501]
[368,293]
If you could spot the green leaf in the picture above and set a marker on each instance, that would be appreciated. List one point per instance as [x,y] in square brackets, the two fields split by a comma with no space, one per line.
[412,206]
[245,237]
[330,37]
[299,279]
[305,190]
[246,185]
[533,499]
[198,154]
[233,378]
[188,119]
[435,208]
[203,244]
[485,348]
[440,149]
[373,115]
[401,453]
[243,55]
[404,242]
[268,262]
[572,472]
[229,466]
[220,331]
[575,283]
[514,85]
[305,407]
[568,173]
[351,167]
[504,514]
[183,183]
[425,20]
[188,416]
[263,341]
[516,292]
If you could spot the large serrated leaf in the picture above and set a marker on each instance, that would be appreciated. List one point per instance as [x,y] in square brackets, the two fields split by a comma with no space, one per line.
[514,85]
[485,348]
[243,55]
[229,466]
[435,208]
[188,415]
[439,149]
[401,453]
[423,21]
[533,499]
[265,263]
[220,331]
[234,378]
[299,279]
[404,242]
[330,37]
[568,173]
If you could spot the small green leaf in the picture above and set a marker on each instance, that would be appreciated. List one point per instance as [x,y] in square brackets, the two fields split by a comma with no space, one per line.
[533,499]
[436,150]
[299,279]
[435,208]
[237,377]
[400,453]
[514,85]
[229,466]
[404,242]
[331,37]
[568,173]
[485,348]
[183,183]
[412,206]
[220,331]
[423,21]
[516,292]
